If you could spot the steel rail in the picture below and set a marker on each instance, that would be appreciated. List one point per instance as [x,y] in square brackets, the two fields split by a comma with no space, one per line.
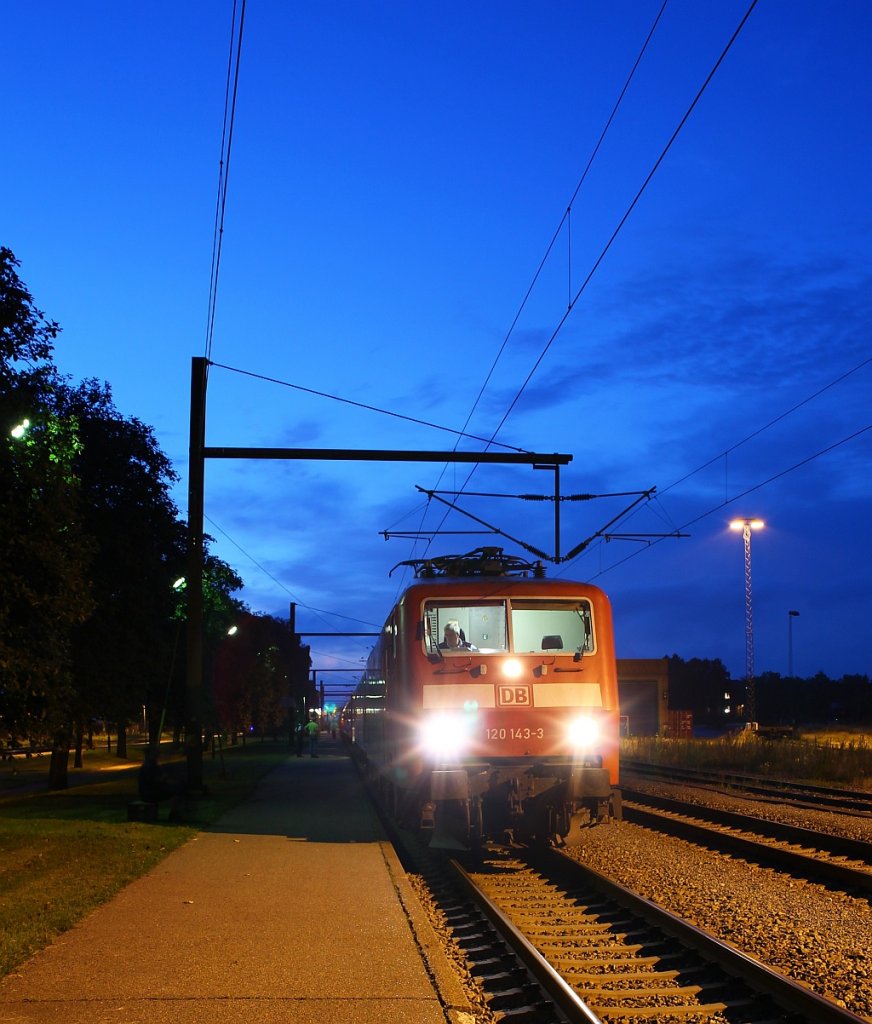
[791,996]
[418,857]
[809,793]
[838,846]
[788,994]
[778,857]
[558,990]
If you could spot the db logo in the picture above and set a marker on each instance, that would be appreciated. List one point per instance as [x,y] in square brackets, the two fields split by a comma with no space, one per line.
[514,696]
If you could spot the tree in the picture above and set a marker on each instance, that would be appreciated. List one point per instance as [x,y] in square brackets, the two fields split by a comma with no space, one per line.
[120,651]
[855,693]
[221,611]
[44,553]
[271,684]
[90,624]
[26,337]
[699,685]
[250,677]
[91,548]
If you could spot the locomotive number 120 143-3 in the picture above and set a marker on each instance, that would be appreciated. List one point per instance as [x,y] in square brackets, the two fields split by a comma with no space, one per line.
[516,734]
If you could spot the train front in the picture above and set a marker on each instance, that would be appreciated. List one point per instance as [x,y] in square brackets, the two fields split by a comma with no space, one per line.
[510,694]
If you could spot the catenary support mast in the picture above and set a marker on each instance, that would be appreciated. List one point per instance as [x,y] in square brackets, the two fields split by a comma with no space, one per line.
[198,453]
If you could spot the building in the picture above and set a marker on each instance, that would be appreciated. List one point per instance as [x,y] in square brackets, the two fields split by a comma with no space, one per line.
[643,692]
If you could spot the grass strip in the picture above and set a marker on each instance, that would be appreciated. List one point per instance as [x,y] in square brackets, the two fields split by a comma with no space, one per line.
[62,854]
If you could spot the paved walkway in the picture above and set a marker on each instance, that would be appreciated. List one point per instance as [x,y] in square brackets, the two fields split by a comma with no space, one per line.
[292,908]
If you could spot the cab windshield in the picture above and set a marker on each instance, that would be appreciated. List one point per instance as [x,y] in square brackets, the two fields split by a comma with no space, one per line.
[533,626]
[556,627]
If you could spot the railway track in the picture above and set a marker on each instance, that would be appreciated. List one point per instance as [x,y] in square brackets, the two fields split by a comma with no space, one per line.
[856,802]
[549,940]
[819,856]
[603,953]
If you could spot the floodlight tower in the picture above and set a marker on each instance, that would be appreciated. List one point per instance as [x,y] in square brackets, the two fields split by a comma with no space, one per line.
[746,526]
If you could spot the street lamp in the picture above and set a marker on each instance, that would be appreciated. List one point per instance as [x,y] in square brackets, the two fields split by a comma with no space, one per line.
[178,586]
[746,526]
[790,617]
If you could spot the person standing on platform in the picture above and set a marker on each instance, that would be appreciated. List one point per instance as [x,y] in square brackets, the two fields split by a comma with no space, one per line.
[312,729]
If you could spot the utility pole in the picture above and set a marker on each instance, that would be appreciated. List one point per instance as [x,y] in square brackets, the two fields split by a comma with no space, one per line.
[791,615]
[194,574]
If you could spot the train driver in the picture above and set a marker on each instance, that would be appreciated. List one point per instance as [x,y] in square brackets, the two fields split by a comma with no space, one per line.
[454,640]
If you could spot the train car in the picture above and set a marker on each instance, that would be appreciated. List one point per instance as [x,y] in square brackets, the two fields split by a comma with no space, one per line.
[489,707]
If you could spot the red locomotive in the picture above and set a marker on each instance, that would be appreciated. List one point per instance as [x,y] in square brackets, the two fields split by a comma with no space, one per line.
[489,706]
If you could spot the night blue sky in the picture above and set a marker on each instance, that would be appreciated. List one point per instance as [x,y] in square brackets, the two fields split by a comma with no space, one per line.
[397,173]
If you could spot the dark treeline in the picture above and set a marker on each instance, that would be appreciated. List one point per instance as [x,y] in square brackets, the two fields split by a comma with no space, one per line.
[92,556]
[704,686]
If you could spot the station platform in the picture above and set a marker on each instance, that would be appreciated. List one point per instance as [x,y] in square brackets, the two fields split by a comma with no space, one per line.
[292,908]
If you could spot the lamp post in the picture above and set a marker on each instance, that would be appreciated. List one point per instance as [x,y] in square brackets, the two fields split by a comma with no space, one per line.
[178,586]
[790,617]
[746,526]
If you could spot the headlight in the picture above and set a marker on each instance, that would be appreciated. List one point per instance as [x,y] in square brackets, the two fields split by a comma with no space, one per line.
[512,668]
[583,732]
[445,737]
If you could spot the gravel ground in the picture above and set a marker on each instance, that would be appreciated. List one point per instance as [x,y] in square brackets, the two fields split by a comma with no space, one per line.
[835,822]
[455,954]
[802,929]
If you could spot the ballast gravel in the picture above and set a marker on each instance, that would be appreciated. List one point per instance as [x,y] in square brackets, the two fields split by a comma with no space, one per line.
[833,822]
[806,931]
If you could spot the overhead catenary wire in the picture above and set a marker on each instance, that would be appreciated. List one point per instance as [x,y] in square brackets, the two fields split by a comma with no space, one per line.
[648,178]
[742,494]
[318,611]
[233,66]
[368,408]
[766,426]
[623,220]
[234,61]
[755,433]
[560,325]
[565,219]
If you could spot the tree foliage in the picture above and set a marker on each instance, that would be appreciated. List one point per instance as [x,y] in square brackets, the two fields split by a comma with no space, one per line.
[251,676]
[26,337]
[92,608]
[704,687]
[790,701]
[699,685]
[45,589]
[120,652]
